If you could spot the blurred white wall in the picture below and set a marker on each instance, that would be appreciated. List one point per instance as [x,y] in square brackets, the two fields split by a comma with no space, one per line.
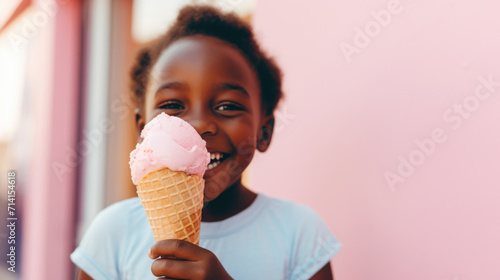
[151,18]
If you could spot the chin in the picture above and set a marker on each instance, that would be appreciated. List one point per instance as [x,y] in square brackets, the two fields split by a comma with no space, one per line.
[212,190]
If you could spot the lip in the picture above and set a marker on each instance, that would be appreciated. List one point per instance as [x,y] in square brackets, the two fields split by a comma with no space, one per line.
[215,150]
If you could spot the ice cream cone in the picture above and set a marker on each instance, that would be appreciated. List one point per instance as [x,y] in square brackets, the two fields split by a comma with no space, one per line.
[173,203]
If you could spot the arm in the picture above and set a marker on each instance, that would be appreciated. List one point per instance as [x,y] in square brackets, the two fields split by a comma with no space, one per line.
[324,274]
[83,276]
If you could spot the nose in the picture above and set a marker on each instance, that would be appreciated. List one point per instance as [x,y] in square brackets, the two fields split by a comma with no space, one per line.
[202,123]
[204,127]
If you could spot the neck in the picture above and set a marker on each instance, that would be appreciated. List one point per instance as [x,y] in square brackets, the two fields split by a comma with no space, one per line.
[229,203]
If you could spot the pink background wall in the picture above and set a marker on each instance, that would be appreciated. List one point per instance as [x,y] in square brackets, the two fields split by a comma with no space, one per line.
[48,215]
[344,124]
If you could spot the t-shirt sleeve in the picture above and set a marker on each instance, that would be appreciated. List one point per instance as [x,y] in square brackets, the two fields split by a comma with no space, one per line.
[99,251]
[314,244]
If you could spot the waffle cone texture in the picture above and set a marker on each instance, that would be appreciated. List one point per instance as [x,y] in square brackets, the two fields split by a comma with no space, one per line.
[173,202]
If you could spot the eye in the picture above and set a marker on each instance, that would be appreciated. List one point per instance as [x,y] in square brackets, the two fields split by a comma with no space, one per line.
[172,105]
[229,107]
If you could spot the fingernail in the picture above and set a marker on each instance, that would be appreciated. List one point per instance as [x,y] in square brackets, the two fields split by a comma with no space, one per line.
[149,253]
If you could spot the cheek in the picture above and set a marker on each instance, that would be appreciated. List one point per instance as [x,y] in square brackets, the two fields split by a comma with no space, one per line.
[243,137]
[245,144]
[148,108]
[149,104]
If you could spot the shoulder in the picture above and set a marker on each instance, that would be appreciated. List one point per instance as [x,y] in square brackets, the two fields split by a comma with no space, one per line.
[290,210]
[292,219]
[116,216]
[121,208]
[101,251]
[312,242]
[113,220]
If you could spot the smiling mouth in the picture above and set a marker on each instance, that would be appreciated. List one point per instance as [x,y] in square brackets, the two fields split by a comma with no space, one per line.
[216,158]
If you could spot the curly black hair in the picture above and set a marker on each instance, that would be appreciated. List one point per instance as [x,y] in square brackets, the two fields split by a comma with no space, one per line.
[209,21]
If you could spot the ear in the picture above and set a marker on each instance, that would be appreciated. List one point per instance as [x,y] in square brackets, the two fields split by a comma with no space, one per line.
[265,134]
[140,121]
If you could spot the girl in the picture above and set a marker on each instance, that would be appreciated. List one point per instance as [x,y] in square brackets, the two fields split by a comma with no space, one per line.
[209,70]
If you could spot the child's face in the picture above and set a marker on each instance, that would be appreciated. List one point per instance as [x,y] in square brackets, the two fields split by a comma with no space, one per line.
[209,84]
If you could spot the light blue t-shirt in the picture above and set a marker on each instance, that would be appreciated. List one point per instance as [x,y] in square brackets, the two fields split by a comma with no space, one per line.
[271,239]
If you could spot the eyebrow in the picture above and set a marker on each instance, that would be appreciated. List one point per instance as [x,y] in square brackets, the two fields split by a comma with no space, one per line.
[171,85]
[219,87]
[229,86]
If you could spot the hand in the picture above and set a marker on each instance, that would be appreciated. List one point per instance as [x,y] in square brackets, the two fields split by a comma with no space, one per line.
[184,260]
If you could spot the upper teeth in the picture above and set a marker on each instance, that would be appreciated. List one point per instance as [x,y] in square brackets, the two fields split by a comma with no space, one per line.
[215,156]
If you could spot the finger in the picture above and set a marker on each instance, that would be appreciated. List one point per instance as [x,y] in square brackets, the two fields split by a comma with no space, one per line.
[179,248]
[174,269]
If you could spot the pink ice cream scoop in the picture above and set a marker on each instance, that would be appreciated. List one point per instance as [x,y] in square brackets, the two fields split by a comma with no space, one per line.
[169,142]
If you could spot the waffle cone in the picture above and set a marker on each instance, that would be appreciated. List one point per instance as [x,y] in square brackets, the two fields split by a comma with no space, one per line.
[173,203]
